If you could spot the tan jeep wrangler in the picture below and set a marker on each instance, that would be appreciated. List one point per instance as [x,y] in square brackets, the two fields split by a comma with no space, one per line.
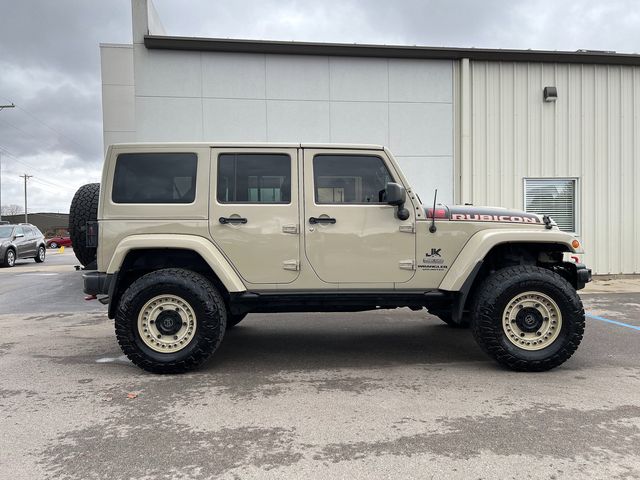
[191,237]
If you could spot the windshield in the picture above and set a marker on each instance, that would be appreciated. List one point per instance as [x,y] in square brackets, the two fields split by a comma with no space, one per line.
[5,231]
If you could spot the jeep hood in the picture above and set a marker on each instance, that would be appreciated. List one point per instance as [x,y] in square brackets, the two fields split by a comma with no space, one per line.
[469,213]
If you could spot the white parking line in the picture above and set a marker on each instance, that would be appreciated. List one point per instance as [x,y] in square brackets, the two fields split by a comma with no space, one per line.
[37,274]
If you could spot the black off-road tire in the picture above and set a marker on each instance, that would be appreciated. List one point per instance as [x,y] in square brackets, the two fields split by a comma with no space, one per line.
[41,254]
[206,302]
[491,300]
[84,208]
[233,319]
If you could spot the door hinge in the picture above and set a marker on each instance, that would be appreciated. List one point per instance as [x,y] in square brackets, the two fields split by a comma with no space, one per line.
[290,228]
[291,265]
[411,228]
[407,264]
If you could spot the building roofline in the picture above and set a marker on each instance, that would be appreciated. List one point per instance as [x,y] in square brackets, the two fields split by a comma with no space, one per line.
[393,51]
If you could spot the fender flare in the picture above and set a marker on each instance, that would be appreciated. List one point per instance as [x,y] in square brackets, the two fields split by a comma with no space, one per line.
[204,247]
[481,243]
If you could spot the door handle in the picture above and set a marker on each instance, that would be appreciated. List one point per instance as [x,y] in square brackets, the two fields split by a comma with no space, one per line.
[225,220]
[314,220]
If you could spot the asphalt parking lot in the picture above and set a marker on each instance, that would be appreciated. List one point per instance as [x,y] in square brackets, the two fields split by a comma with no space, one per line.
[390,394]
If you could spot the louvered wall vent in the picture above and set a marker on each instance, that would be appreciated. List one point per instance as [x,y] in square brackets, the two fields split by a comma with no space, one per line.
[555,197]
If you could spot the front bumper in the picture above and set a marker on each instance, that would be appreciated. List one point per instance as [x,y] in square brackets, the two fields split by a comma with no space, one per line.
[97,283]
[583,275]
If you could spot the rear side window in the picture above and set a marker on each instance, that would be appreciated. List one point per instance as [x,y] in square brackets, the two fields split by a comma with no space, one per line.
[350,179]
[155,178]
[254,178]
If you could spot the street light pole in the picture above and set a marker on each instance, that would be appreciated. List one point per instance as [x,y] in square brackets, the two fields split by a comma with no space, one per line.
[1,108]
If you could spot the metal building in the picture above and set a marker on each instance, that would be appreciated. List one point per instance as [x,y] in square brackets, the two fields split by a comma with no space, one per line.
[551,132]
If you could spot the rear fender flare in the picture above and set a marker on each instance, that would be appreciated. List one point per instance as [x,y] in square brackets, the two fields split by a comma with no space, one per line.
[204,247]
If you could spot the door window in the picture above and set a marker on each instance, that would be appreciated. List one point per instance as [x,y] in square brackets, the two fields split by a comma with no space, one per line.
[155,178]
[254,178]
[355,179]
[18,231]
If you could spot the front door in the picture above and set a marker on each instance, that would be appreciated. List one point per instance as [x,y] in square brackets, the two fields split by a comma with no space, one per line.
[351,234]
[22,242]
[254,217]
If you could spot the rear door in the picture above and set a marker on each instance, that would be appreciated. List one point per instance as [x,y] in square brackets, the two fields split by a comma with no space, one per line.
[32,240]
[254,216]
[351,234]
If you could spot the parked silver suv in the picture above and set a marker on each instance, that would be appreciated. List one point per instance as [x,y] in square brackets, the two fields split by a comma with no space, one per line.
[21,241]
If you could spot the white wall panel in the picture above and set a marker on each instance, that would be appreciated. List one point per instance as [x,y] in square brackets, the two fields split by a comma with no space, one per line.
[360,122]
[296,77]
[163,119]
[226,75]
[359,79]
[167,73]
[116,63]
[234,120]
[421,129]
[407,79]
[428,173]
[119,116]
[118,94]
[590,132]
[297,121]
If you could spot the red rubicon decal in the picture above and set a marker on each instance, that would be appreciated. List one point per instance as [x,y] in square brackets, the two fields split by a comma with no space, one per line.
[493,218]
[440,213]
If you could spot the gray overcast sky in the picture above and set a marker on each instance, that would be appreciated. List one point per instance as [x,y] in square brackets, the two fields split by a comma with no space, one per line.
[50,66]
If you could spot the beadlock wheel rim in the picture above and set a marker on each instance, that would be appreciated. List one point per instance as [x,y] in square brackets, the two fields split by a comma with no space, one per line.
[174,308]
[532,321]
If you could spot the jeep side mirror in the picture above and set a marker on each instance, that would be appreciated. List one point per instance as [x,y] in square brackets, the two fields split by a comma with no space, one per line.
[396,195]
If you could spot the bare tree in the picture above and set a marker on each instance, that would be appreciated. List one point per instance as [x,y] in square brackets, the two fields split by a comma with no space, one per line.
[11,209]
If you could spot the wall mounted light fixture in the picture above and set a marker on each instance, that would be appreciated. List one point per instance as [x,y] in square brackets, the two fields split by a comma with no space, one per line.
[550,94]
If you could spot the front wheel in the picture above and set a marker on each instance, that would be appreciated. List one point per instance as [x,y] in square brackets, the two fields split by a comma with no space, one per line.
[9,258]
[170,321]
[53,245]
[528,318]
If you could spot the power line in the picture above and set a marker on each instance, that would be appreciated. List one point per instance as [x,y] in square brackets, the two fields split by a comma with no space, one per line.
[48,126]
[31,167]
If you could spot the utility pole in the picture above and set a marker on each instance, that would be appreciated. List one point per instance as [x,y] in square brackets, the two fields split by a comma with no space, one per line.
[26,214]
[11,105]
[0,184]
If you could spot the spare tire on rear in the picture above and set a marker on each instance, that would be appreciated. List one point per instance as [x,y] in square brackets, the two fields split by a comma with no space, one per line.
[84,208]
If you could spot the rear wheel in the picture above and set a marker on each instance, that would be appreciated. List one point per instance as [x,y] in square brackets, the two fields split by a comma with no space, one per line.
[53,245]
[170,321]
[42,253]
[528,318]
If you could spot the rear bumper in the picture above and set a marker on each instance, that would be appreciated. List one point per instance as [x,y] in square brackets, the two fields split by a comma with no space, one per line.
[97,283]
[583,275]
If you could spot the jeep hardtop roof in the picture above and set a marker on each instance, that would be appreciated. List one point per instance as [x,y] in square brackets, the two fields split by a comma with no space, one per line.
[343,146]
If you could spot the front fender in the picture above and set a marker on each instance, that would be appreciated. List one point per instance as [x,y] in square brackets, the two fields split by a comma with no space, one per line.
[479,245]
[205,248]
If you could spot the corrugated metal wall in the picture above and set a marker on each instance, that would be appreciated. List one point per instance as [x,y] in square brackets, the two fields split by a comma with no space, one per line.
[592,132]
